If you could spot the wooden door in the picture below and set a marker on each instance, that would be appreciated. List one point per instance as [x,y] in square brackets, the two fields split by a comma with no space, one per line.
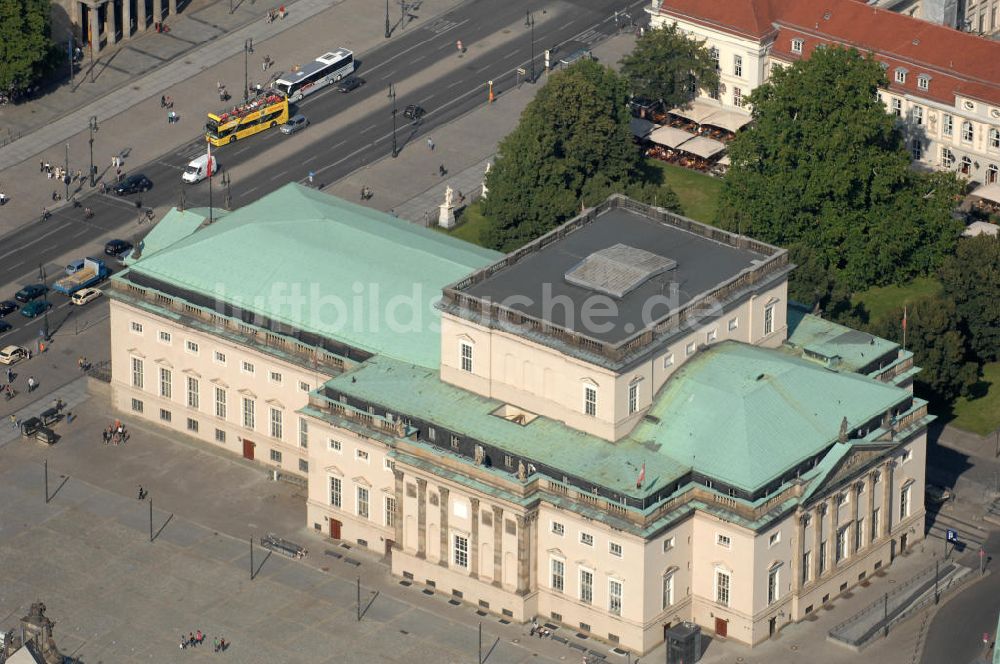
[248,449]
[388,548]
[721,627]
[334,529]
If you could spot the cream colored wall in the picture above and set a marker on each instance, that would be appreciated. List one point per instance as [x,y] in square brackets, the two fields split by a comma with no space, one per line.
[286,395]
[707,556]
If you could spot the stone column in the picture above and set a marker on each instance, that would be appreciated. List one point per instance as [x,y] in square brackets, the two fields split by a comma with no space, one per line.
[397,518]
[95,30]
[523,554]
[817,521]
[126,19]
[498,546]
[870,488]
[885,527]
[474,540]
[111,9]
[140,6]
[853,531]
[172,7]
[445,549]
[831,539]
[421,518]
[157,11]
[799,552]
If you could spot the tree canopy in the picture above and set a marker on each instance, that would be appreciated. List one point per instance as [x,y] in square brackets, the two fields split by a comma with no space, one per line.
[669,66]
[26,48]
[573,146]
[823,171]
[972,279]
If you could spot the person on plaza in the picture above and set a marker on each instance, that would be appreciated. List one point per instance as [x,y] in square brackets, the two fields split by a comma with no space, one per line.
[191,641]
[163,101]
[55,195]
[32,384]
[215,644]
[13,421]
[200,637]
[442,170]
[3,198]
[430,143]
[183,642]
[41,167]
[10,375]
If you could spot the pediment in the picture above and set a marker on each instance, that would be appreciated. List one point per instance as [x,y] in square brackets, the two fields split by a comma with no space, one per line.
[853,463]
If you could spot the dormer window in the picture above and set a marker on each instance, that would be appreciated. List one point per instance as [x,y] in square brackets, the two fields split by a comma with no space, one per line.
[923,82]
[901,75]
[797,45]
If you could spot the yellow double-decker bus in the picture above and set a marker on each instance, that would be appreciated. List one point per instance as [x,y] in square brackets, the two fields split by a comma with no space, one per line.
[267,108]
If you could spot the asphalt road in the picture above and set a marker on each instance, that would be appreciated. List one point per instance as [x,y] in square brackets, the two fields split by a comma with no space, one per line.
[34,247]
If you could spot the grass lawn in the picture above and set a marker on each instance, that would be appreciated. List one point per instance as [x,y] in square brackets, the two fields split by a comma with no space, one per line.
[471,222]
[698,193]
[880,301]
[982,414]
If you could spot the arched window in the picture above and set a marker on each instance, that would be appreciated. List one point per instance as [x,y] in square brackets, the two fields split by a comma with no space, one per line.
[992,174]
[966,167]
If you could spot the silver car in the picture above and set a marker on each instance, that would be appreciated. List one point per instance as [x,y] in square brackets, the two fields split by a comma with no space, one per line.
[294,124]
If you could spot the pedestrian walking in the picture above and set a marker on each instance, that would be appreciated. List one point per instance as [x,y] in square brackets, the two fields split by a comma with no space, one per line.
[55,195]
[10,375]
[200,637]
[215,644]
[430,143]
[41,167]
[191,640]
[13,421]
[442,170]
[31,384]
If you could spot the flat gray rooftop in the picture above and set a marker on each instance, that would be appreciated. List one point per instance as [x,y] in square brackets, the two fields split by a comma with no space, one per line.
[536,284]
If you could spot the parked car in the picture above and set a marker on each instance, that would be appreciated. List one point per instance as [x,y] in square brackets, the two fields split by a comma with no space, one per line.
[117,247]
[85,295]
[350,83]
[74,266]
[30,292]
[414,112]
[936,494]
[35,308]
[7,307]
[13,355]
[133,184]
[5,326]
[294,124]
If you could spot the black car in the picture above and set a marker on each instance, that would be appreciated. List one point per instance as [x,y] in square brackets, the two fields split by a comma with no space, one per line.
[30,292]
[132,184]
[414,112]
[5,326]
[117,247]
[7,307]
[350,83]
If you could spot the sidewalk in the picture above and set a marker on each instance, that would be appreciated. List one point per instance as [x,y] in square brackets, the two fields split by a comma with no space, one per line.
[131,122]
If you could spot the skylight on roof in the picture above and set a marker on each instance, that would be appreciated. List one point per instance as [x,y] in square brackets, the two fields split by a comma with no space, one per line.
[618,270]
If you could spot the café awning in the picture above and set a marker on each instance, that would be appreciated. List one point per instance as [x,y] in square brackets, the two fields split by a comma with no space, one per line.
[730,120]
[670,137]
[702,146]
[989,192]
[641,127]
[724,160]
[696,111]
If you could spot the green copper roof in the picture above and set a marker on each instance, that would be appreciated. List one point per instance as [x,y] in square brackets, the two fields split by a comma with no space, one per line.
[321,264]
[837,346]
[738,413]
[175,226]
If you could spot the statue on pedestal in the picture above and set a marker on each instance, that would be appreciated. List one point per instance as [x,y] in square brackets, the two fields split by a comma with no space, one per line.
[486,190]
[446,217]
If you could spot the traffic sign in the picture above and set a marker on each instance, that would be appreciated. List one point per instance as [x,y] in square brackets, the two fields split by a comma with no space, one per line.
[951,535]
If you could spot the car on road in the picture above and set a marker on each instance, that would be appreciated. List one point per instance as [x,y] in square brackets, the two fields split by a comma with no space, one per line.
[75,266]
[133,184]
[35,308]
[5,326]
[414,112]
[30,292]
[7,307]
[85,295]
[936,494]
[295,123]
[350,83]
[117,247]
[13,355]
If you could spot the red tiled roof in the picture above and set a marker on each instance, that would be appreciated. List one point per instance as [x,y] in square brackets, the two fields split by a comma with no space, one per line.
[750,18]
[959,63]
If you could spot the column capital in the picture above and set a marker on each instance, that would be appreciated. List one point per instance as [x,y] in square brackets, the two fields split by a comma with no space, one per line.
[443,490]
[497,512]
[397,473]
[475,504]
[421,482]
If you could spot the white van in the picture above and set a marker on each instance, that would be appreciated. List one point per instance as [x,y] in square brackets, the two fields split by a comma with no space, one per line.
[196,170]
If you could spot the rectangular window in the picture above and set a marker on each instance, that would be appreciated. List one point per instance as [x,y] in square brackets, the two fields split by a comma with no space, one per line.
[769,319]
[247,367]
[220,402]
[335,495]
[875,524]
[276,425]
[586,586]
[897,107]
[137,327]
[737,97]
[918,115]
[859,533]
[797,46]
[192,385]
[303,466]
[335,445]
[841,552]
[165,415]
[906,456]
[192,425]
[362,455]
[614,597]
[822,556]
[303,432]
[164,336]
[901,76]
[615,549]
[668,544]
[276,456]
[431,434]
[455,442]
[466,350]
[733,324]
[690,348]
[558,529]
[806,560]
[137,372]
[968,133]
[774,538]
[711,336]
[389,464]
[220,357]
[904,502]
[667,596]
[558,575]
[772,584]
[947,158]
[220,436]
[923,82]
[586,539]
[668,360]
[947,124]
[590,400]
[363,502]
[737,65]
[633,398]
[274,376]
[461,556]
[248,412]
[917,149]
[166,383]
[725,541]
[722,587]
[304,386]
[994,139]
[191,347]
[390,511]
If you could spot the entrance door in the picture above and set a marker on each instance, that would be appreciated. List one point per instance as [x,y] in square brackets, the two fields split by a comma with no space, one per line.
[388,548]
[248,449]
[721,627]
[334,529]
[772,624]
[902,542]
[666,627]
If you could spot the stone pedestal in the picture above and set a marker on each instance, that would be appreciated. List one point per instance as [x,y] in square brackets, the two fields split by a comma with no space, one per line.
[446,216]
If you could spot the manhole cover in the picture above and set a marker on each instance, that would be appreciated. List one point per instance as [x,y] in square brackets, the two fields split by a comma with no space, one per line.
[136,87]
[188,62]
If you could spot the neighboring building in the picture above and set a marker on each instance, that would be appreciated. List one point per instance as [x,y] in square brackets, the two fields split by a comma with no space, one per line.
[976,16]
[944,85]
[100,24]
[609,437]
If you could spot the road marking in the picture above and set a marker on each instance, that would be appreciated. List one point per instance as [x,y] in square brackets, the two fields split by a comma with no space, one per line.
[417,45]
[367,129]
[57,229]
[278,175]
[458,82]
[510,55]
[248,191]
[310,158]
[428,97]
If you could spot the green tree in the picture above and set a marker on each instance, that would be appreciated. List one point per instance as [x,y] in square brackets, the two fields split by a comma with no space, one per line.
[26,49]
[972,279]
[823,168]
[573,146]
[669,66]
[938,346]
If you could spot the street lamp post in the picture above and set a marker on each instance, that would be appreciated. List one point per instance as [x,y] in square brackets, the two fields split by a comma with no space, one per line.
[387,31]
[93,128]
[70,49]
[529,21]
[66,173]
[392,95]
[247,48]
